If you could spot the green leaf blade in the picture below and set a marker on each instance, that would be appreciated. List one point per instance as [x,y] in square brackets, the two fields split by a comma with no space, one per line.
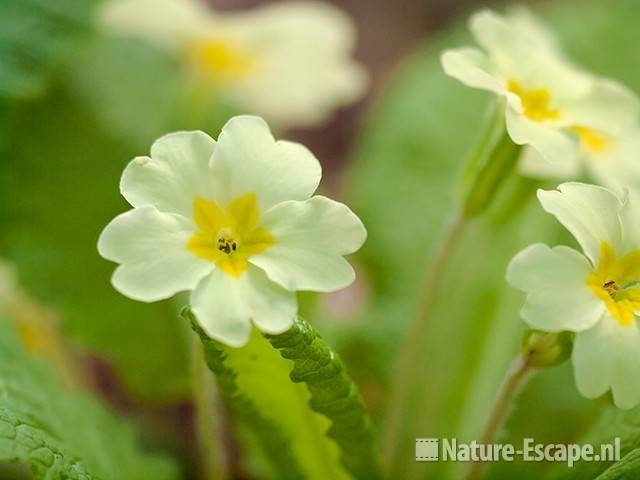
[60,434]
[628,468]
[333,395]
[293,393]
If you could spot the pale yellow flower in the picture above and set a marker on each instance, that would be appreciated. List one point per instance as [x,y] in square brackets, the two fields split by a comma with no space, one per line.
[235,223]
[289,62]
[550,104]
[595,294]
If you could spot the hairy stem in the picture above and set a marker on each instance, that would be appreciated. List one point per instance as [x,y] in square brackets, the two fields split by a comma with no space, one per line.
[409,361]
[492,162]
[511,385]
[206,417]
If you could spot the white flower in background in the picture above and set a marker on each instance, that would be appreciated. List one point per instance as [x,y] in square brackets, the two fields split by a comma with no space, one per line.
[609,155]
[595,294]
[290,62]
[550,105]
[526,23]
[235,223]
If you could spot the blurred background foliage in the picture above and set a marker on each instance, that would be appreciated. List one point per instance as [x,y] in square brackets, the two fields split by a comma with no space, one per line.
[62,434]
[76,104]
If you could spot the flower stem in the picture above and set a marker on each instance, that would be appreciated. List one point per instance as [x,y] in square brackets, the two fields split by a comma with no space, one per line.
[206,417]
[513,382]
[408,363]
[491,163]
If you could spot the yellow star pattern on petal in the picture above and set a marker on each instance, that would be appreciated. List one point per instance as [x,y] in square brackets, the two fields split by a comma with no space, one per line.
[535,102]
[591,139]
[615,281]
[220,60]
[228,236]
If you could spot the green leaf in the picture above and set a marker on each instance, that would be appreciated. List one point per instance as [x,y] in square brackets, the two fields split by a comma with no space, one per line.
[302,406]
[62,435]
[628,468]
[334,395]
[36,36]
[612,423]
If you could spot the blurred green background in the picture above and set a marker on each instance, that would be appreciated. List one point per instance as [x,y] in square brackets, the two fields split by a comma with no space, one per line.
[77,103]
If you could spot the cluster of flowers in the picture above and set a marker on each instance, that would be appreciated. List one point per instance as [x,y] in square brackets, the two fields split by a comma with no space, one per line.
[570,120]
[235,223]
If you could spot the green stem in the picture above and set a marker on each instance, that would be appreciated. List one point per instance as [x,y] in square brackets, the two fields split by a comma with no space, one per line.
[491,176]
[513,382]
[206,417]
[491,163]
[407,369]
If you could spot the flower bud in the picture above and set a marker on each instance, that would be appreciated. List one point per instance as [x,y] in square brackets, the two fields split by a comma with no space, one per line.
[545,349]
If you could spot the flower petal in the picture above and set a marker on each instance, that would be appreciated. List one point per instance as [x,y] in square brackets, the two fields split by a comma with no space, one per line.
[248,159]
[310,239]
[629,215]
[616,165]
[166,22]
[524,21]
[152,249]
[177,172]
[606,106]
[558,297]
[471,67]
[273,308]
[310,44]
[506,45]
[589,212]
[219,302]
[226,305]
[555,146]
[607,356]
[532,164]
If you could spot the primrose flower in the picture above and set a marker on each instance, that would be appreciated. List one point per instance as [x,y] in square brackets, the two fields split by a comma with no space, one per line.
[549,104]
[235,223]
[609,157]
[290,62]
[595,294]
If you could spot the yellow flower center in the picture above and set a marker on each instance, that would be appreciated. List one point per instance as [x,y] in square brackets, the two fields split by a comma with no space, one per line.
[591,139]
[228,236]
[536,102]
[616,282]
[221,60]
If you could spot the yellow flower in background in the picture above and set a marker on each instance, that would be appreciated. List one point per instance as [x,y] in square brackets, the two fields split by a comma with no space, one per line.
[233,222]
[289,62]
[550,105]
[595,294]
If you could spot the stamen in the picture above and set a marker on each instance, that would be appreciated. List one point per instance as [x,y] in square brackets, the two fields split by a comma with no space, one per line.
[611,287]
[227,245]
